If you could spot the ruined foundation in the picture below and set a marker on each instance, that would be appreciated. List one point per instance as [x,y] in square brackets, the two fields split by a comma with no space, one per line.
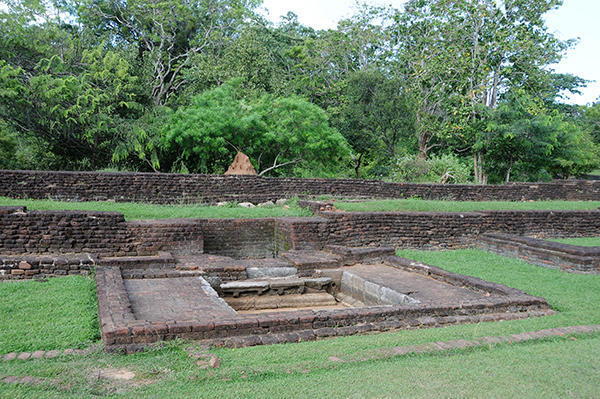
[227,302]
[259,281]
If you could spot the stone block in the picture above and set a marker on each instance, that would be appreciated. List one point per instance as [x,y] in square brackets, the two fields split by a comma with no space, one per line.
[24,265]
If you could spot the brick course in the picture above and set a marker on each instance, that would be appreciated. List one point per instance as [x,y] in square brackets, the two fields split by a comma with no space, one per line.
[108,234]
[193,188]
[17,267]
[571,258]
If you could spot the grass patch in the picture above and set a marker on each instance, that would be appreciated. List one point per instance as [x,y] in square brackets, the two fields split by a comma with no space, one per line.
[133,210]
[555,368]
[582,241]
[558,367]
[418,205]
[55,314]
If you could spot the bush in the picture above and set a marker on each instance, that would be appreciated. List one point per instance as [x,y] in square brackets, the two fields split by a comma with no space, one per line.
[281,135]
[445,168]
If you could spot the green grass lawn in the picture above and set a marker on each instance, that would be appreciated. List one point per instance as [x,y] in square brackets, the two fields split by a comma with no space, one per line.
[133,210]
[583,241]
[418,205]
[559,367]
[54,314]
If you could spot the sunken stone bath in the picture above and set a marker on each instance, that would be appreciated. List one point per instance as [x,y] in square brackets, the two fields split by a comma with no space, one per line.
[299,296]
[240,282]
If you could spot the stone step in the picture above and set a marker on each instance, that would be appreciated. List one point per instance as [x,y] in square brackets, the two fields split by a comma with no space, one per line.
[161,260]
[149,273]
[370,292]
[307,261]
[354,255]
[263,302]
[276,286]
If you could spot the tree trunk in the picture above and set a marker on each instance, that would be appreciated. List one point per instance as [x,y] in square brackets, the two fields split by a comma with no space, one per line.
[508,173]
[475,168]
[423,145]
[357,162]
[478,168]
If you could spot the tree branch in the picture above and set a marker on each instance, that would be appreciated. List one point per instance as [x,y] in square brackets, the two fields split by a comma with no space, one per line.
[276,165]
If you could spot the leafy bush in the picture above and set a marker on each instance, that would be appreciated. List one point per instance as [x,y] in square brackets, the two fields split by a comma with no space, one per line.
[445,168]
[278,134]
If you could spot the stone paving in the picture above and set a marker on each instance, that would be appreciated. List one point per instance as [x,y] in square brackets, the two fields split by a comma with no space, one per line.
[186,298]
[423,289]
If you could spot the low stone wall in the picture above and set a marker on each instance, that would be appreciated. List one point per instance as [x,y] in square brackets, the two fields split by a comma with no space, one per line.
[108,234]
[103,234]
[178,236]
[40,232]
[19,267]
[178,188]
[570,258]
[239,238]
[448,229]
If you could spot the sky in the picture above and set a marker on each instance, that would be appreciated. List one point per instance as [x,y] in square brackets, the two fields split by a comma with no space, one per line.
[574,19]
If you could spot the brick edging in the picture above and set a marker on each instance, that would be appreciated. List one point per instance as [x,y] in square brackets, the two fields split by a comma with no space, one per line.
[554,255]
[40,354]
[463,344]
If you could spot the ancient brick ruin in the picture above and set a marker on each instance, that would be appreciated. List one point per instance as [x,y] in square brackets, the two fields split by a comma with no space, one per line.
[238,282]
[555,255]
[178,188]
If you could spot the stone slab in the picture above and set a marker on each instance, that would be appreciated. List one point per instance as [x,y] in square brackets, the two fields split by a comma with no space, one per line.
[187,298]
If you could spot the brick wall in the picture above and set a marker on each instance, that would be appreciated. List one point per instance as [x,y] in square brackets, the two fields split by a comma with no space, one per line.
[178,188]
[17,267]
[571,258]
[108,234]
[451,229]
[178,236]
[100,233]
[239,238]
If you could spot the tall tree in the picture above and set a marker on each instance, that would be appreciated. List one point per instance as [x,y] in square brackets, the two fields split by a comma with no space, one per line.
[376,116]
[168,34]
[461,56]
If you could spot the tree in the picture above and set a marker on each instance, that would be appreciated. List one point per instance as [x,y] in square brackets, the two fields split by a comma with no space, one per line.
[375,115]
[168,34]
[277,133]
[75,104]
[526,138]
[321,64]
[462,56]
[591,119]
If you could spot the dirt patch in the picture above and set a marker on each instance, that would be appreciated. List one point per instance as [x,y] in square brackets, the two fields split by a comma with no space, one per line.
[120,378]
[121,374]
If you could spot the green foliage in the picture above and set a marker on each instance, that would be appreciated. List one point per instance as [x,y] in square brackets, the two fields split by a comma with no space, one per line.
[445,168]
[275,132]
[533,143]
[141,146]
[93,84]
[375,117]
[591,118]
[8,147]
[168,35]
[75,107]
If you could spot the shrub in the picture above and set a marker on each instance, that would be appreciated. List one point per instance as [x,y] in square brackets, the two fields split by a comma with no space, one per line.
[445,168]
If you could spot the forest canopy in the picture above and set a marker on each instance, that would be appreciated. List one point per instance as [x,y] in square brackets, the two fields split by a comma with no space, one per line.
[439,90]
